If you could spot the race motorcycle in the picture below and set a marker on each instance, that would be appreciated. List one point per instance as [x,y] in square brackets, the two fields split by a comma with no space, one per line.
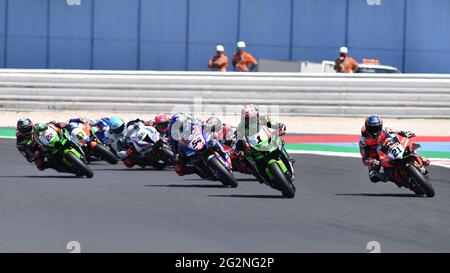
[101,131]
[208,161]
[149,149]
[61,152]
[91,145]
[403,165]
[264,156]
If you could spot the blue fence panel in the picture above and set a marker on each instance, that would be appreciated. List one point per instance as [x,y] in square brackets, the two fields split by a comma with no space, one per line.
[211,22]
[27,34]
[163,34]
[265,23]
[426,61]
[376,31]
[318,29]
[70,35]
[181,34]
[116,34]
[376,26]
[3,17]
[428,37]
[428,25]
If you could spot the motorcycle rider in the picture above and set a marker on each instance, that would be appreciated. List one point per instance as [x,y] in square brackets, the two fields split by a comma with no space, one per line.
[25,139]
[26,132]
[117,138]
[249,125]
[161,124]
[373,135]
[181,127]
[224,133]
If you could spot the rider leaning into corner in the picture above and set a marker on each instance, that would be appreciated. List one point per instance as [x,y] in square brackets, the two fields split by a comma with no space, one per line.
[249,125]
[25,140]
[372,135]
[182,126]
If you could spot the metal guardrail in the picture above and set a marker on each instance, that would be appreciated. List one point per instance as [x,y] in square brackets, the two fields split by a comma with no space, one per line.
[396,95]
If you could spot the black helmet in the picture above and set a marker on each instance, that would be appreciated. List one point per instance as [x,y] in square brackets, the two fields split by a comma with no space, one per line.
[24,126]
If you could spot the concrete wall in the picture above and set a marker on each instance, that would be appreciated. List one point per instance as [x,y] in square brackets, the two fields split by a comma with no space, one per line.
[413,35]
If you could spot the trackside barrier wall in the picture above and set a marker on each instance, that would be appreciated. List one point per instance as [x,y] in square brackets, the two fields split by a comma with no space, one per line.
[402,95]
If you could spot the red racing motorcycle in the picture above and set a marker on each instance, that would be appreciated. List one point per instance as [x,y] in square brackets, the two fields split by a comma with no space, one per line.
[403,165]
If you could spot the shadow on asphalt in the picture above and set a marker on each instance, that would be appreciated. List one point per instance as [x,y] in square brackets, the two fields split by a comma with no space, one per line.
[266,196]
[381,194]
[134,170]
[247,179]
[237,179]
[188,186]
[38,176]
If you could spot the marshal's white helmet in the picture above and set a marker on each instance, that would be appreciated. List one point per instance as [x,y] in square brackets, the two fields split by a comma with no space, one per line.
[241,44]
[220,48]
[343,49]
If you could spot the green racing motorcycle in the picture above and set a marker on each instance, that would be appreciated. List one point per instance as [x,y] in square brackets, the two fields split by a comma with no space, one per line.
[62,153]
[270,161]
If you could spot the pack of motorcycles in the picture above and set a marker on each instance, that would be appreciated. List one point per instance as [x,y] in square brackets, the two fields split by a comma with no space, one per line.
[213,159]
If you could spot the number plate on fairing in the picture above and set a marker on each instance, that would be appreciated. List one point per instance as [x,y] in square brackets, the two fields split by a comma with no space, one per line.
[258,138]
[396,151]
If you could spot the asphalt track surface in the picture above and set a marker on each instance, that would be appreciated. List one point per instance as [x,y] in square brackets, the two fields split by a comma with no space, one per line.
[336,209]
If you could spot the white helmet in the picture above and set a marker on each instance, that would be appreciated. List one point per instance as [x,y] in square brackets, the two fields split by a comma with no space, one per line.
[220,48]
[241,44]
[343,49]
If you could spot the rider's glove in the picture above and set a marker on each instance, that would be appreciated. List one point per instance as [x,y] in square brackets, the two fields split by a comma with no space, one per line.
[122,154]
[374,162]
[407,134]
[281,129]
[33,156]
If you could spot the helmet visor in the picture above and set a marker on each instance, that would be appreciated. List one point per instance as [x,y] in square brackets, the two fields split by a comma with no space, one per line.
[118,130]
[374,129]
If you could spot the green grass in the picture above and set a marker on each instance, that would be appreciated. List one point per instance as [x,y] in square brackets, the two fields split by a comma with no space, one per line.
[7,132]
[340,149]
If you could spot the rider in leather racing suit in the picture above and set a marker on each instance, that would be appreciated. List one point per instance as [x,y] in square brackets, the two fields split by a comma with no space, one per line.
[26,144]
[372,135]
[249,125]
[117,139]
[189,123]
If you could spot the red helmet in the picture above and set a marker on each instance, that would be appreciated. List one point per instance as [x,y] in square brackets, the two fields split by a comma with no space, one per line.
[162,122]
[250,111]
[250,117]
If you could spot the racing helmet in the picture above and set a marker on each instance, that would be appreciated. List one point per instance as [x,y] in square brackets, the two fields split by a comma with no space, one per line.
[116,125]
[162,122]
[374,125]
[213,125]
[24,126]
[250,117]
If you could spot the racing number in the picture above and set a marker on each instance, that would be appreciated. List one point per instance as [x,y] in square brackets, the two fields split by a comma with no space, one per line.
[395,151]
[141,135]
[258,138]
[196,142]
[49,137]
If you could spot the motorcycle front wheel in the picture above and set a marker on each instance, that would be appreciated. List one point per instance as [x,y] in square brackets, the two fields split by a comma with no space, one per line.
[104,153]
[225,176]
[286,187]
[420,180]
[79,165]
